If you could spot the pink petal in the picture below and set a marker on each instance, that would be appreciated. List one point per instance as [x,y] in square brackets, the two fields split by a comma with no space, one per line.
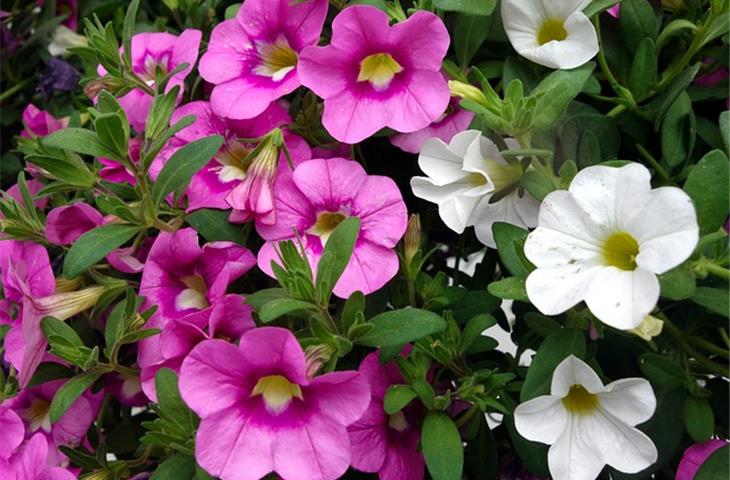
[223,61]
[329,184]
[274,351]
[424,97]
[12,432]
[381,210]
[342,396]
[370,268]
[423,38]
[67,223]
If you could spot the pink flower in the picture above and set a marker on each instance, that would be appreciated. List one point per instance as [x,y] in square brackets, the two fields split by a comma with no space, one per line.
[31,461]
[115,172]
[210,187]
[695,456]
[317,197]
[260,413]
[12,432]
[253,59]
[714,76]
[373,76]
[382,443]
[615,11]
[151,51]
[181,279]
[130,259]
[34,186]
[39,123]
[454,120]
[67,223]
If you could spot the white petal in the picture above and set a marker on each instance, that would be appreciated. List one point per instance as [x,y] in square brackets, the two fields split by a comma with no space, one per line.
[522,16]
[573,456]
[574,371]
[508,209]
[541,419]
[623,447]
[477,155]
[425,188]
[444,163]
[528,209]
[622,298]
[555,290]
[563,8]
[630,400]
[560,212]
[549,249]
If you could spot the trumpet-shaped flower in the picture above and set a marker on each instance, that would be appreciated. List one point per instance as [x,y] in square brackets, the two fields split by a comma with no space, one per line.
[153,51]
[67,223]
[317,197]
[261,413]
[32,461]
[373,76]
[39,123]
[553,33]
[387,444]
[589,425]
[451,122]
[605,240]
[462,178]
[253,59]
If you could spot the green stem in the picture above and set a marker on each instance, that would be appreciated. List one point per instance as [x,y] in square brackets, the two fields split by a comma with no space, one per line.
[708,239]
[616,111]
[14,89]
[718,271]
[702,360]
[603,63]
[709,346]
[654,163]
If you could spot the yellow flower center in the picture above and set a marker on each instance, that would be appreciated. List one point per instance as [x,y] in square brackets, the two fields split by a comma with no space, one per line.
[620,251]
[378,69]
[501,175]
[277,59]
[326,224]
[194,295]
[551,29]
[277,392]
[38,415]
[579,401]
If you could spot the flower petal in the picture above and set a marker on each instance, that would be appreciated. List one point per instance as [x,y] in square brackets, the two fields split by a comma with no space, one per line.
[382,212]
[631,400]
[555,290]
[573,456]
[342,396]
[623,447]
[574,371]
[542,419]
[622,298]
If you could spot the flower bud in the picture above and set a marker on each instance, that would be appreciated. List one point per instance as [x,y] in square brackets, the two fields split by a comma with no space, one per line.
[316,356]
[649,328]
[64,285]
[66,304]
[412,241]
[469,92]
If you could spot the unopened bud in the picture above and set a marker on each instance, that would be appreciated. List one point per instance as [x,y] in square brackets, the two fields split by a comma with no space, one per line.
[649,328]
[316,356]
[67,304]
[65,285]
[469,92]
[412,241]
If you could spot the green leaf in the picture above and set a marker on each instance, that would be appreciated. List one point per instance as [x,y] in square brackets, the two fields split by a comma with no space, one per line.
[282,306]
[399,327]
[678,131]
[183,164]
[95,245]
[441,444]
[470,32]
[637,21]
[82,141]
[678,283]
[661,370]
[260,298]
[160,113]
[471,7]
[47,372]
[698,418]
[598,6]
[714,299]
[589,149]
[556,91]
[481,453]
[664,102]
[214,226]
[473,330]
[725,128]
[708,187]
[397,397]
[475,302]
[70,391]
[537,184]
[335,256]
[69,168]
[644,68]
[55,327]
[170,401]
[553,350]
[715,466]
[510,288]
[510,241]
[354,307]
[128,29]
[232,11]
[113,131]
[540,324]
[177,467]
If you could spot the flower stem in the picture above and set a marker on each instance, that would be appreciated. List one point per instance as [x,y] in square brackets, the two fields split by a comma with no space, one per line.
[654,163]
[718,271]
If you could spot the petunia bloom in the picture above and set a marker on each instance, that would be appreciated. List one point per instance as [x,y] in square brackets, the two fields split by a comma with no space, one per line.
[253,59]
[695,456]
[589,425]
[39,123]
[153,51]
[605,240]
[31,461]
[317,197]
[261,413]
[462,178]
[550,33]
[382,443]
[115,172]
[67,223]
[373,76]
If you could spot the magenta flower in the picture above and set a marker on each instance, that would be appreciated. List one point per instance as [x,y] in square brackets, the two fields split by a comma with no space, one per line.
[260,413]
[317,197]
[34,186]
[130,259]
[12,432]
[211,187]
[180,278]
[382,443]
[151,51]
[31,461]
[253,59]
[373,76]
[67,223]
[454,120]
[39,123]
[115,172]
[695,456]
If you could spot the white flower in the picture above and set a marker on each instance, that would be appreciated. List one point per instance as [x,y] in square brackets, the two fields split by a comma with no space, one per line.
[462,178]
[64,38]
[605,240]
[553,33]
[589,425]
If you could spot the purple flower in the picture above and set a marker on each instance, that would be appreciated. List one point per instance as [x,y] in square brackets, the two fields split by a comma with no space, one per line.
[253,58]
[695,456]
[260,413]
[39,123]
[67,223]
[31,461]
[60,76]
[373,76]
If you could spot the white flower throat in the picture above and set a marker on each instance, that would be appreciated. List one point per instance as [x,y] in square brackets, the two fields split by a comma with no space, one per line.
[277,58]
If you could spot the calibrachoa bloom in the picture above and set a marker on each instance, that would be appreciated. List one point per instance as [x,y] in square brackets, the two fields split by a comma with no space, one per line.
[31,461]
[556,34]
[115,172]
[695,456]
[589,425]
[387,444]
[152,51]
[39,123]
[181,278]
[253,59]
[453,121]
[373,76]
[261,413]
[462,178]
[317,197]
[67,223]
[605,240]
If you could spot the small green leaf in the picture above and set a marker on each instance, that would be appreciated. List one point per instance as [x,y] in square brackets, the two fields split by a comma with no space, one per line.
[170,401]
[510,288]
[442,449]
[637,21]
[177,467]
[260,298]
[598,6]
[397,397]
[47,372]
[678,131]
[95,245]
[70,391]
[661,105]
[354,307]
[214,226]
[510,241]
[471,7]
[282,306]
[112,131]
[553,350]
[54,327]
[556,91]
[82,141]
[725,128]
[708,187]
[714,299]
[678,283]
[473,330]
[643,68]
[715,467]
[335,256]
[399,327]
[469,34]
[537,184]
[698,418]
[661,370]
